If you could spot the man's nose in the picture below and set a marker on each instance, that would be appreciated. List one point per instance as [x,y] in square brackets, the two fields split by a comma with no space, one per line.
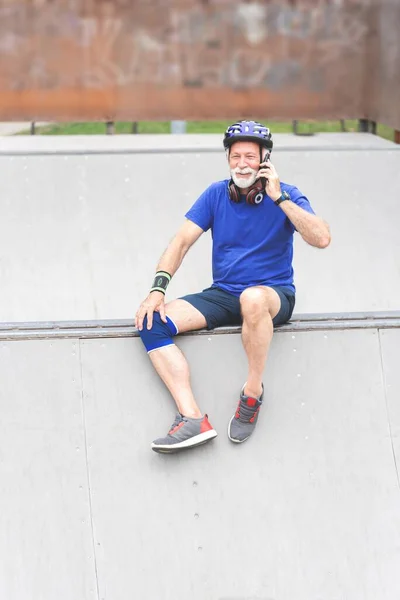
[242,163]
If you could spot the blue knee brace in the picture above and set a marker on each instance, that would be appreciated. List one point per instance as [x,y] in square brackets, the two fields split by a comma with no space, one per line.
[160,333]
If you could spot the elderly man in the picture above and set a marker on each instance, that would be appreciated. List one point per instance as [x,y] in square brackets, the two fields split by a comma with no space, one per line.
[253,217]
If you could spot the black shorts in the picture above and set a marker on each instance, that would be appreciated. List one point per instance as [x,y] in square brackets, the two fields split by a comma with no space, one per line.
[220,308]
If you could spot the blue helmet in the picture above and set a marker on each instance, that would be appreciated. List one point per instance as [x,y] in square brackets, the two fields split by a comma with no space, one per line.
[248,131]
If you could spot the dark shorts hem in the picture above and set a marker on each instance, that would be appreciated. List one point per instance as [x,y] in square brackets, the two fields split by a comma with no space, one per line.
[222,309]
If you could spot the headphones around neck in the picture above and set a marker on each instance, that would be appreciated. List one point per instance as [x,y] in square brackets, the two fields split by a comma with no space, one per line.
[255,194]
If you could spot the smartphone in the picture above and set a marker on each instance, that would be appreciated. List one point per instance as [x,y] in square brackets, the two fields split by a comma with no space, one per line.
[267,156]
[263,180]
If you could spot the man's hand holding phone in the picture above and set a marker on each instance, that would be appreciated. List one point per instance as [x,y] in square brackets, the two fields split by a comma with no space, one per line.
[271,177]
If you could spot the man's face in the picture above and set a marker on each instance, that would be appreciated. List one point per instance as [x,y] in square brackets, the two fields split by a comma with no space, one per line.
[244,162]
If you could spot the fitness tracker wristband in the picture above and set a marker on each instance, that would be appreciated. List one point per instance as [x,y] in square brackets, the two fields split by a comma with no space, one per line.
[161,281]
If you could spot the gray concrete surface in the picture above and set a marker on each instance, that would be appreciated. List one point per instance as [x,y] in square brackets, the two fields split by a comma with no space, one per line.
[13,127]
[309,508]
[80,236]
[46,550]
[390,343]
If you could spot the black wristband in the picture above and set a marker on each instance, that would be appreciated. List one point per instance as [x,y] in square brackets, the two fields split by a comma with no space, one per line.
[161,282]
[284,196]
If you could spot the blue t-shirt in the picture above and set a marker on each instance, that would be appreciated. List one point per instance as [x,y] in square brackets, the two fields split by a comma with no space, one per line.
[252,244]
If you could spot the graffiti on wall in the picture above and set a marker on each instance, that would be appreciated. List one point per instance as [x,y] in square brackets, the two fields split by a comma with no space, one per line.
[240,44]
[275,46]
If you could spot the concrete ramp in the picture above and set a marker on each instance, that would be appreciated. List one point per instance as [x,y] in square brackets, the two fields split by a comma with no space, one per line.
[83,223]
[309,508]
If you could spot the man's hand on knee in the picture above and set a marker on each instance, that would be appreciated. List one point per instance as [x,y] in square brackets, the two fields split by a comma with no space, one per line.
[153,303]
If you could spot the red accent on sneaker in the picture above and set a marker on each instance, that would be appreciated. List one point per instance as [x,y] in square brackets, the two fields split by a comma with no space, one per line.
[251,402]
[205,425]
[254,416]
[237,413]
[175,429]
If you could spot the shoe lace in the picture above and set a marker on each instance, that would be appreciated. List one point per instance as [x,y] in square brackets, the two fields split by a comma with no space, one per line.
[178,419]
[246,414]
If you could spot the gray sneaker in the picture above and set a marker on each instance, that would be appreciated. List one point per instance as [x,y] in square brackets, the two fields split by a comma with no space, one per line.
[244,421]
[185,433]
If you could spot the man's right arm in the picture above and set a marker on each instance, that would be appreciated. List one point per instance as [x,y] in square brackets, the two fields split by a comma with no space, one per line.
[173,256]
[170,262]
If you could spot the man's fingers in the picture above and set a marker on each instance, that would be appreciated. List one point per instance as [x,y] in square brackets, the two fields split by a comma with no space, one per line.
[162,313]
[140,315]
[139,320]
[150,318]
[147,309]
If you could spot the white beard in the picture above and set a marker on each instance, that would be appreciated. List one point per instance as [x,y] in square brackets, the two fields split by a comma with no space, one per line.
[244,182]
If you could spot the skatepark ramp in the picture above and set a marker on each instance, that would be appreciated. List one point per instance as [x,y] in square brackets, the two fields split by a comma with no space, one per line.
[309,507]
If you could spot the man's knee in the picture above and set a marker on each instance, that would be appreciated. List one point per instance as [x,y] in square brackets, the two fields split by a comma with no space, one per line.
[159,335]
[256,302]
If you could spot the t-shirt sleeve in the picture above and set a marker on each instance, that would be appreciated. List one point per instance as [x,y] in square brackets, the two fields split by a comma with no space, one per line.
[298,198]
[201,212]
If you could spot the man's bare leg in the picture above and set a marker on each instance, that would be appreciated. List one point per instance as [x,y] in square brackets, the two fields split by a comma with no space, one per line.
[259,306]
[170,363]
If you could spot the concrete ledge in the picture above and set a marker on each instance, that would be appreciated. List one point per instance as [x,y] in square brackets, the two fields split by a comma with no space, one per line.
[161,143]
[125,329]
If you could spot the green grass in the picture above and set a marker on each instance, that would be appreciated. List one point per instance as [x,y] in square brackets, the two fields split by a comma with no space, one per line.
[200,127]
[385,132]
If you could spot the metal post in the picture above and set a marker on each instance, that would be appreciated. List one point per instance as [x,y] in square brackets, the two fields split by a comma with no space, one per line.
[343,125]
[135,127]
[373,127]
[178,126]
[363,125]
[110,127]
[297,132]
[33,128]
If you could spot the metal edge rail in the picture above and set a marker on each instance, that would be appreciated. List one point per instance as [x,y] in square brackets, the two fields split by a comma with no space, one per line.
[126,329]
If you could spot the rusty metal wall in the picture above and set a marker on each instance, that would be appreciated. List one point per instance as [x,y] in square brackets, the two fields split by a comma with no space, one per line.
[385,70]
[192,59]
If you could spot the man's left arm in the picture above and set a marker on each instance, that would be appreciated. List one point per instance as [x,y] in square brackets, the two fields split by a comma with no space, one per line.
[312,229]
